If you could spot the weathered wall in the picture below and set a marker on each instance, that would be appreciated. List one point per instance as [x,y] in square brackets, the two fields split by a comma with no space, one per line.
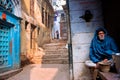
[63,25]
[82,32]
[33,32]
[26,5]
[44,32]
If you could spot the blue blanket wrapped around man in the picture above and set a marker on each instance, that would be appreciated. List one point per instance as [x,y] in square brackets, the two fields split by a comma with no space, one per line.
[100,50]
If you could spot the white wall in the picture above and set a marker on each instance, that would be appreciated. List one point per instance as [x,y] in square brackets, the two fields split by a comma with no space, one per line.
[59,4]
[17,7]
[82,33]
[58,9]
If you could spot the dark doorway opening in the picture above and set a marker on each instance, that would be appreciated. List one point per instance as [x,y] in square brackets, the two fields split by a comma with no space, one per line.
[111,13]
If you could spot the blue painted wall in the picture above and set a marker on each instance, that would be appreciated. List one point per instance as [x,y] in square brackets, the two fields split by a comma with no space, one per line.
[82,33]
[14,41]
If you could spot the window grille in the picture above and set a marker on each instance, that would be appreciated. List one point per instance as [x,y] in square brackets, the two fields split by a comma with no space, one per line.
[7,5]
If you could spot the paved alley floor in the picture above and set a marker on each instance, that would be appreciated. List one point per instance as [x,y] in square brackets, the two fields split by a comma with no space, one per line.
[43,72]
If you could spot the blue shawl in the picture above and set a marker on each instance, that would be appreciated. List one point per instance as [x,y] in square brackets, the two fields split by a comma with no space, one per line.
[100,50]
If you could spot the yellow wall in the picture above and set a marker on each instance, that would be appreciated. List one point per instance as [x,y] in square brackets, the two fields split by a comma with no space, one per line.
[28,53]
[26,6]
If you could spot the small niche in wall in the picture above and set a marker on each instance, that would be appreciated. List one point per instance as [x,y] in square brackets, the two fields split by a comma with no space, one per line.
[26,23]
[87,16]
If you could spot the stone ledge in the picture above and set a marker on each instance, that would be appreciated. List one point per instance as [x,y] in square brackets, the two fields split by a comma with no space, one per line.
[10,73]
[108,76]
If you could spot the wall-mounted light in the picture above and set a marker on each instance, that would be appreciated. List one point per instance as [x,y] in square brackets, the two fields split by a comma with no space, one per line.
[87,16]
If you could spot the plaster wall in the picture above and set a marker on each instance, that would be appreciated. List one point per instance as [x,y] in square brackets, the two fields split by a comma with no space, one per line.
[33,32]
[17,9]
[82,33]
[26,6]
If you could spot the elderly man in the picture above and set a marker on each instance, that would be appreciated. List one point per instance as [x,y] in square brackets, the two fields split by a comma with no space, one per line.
[101,49]
[102,46]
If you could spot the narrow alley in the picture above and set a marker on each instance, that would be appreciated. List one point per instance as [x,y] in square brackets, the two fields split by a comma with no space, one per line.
[53,66]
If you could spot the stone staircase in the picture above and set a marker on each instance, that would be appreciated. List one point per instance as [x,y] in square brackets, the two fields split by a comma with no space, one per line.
[55,53]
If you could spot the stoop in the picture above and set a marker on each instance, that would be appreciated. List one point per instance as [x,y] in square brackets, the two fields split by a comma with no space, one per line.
[10,73]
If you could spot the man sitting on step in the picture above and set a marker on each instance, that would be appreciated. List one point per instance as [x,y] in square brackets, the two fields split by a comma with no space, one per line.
[102,47]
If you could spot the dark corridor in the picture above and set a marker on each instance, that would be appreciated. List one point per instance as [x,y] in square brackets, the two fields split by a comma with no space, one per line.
[111,13]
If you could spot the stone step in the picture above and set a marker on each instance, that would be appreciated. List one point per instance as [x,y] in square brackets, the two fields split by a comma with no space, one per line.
[56,52]
[50,46]
[55,56]
[54,48]
[55,61]
[55,44]
[58,41]
[44,61]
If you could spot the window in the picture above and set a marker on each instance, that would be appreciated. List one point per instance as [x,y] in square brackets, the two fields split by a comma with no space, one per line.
[46,20]
[62,16]
[38,31]
[7,4]
[26,23]
[42,15]
[54,3]
[49,19]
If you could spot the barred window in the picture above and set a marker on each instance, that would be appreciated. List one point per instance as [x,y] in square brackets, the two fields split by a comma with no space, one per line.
[7,4]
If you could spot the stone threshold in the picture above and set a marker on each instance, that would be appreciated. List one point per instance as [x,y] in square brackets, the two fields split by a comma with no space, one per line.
[7,74]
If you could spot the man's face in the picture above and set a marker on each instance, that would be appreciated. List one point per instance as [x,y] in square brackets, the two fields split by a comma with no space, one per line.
[101,35]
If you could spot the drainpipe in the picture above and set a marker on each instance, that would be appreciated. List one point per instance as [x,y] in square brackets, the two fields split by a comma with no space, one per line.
[70,46]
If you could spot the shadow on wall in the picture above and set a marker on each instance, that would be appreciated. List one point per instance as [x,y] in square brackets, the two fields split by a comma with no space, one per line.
[43,38]
[25,60]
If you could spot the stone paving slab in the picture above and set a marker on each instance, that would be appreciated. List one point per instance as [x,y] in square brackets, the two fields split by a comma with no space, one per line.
[43,72]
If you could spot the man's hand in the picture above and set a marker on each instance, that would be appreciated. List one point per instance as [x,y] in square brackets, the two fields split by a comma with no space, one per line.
[105,60]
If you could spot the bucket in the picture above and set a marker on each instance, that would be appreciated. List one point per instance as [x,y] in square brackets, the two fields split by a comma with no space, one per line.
[104,66]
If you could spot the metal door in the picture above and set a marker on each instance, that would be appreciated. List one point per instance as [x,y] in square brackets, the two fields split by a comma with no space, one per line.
[5,57]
